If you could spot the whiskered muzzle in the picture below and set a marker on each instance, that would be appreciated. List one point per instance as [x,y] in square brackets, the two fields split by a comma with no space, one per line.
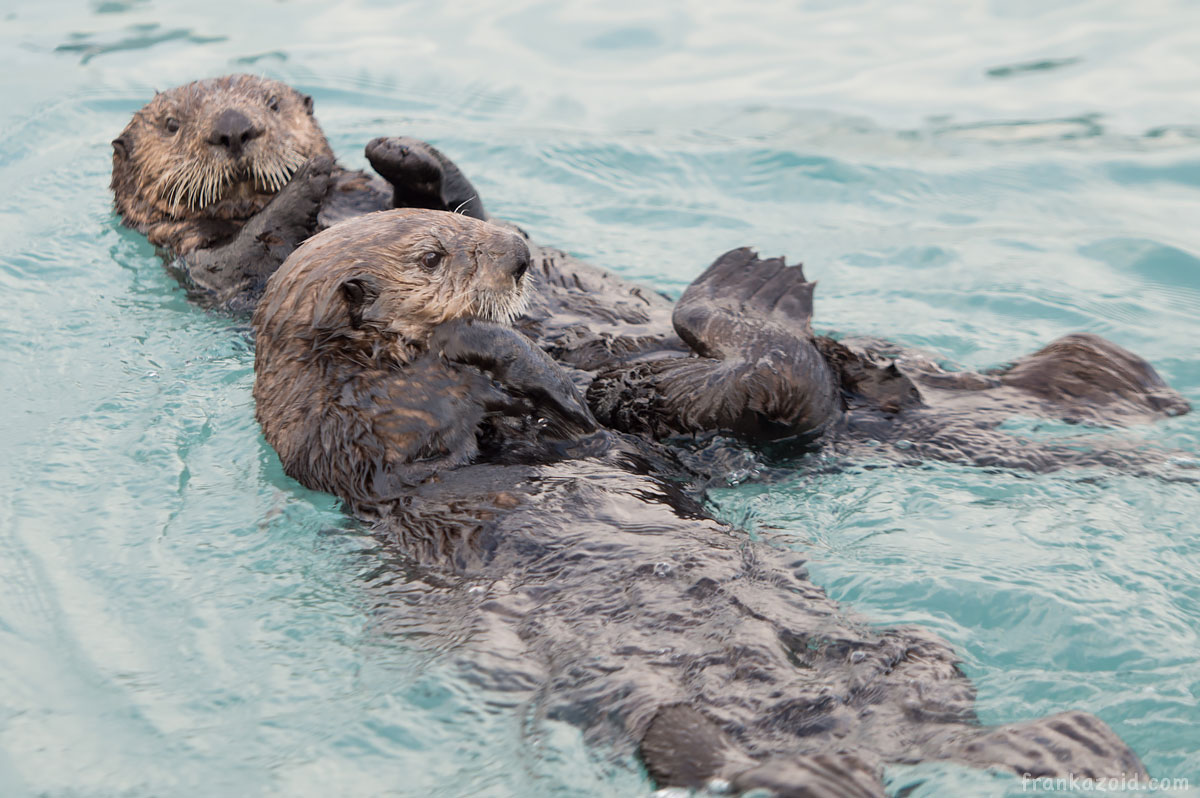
[501,262]
[502,307]
[272,169]
[196,184]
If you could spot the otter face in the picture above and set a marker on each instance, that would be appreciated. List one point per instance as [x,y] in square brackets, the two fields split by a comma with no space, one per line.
[376,286]
[218,148]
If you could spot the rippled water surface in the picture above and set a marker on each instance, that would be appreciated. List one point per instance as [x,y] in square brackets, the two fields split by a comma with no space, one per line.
[178,618]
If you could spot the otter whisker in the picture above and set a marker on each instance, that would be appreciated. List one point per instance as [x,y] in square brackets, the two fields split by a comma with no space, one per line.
[464,203]
[184,179]
[204,186]
[178,185]
[503,309]
[193,185]
[199,188]
[268,176]
[271,173]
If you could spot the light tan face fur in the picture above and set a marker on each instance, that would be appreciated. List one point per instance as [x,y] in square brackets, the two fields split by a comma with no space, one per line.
[385,280]
[169,160]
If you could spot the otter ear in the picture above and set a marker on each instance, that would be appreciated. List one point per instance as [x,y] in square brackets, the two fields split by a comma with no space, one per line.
[359,293]
[120,147]
[308,103]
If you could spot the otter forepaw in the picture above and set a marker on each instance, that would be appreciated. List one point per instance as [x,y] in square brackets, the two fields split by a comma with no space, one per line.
[292,214]
[316,168]
[518,365]
[309,185]
[422,177]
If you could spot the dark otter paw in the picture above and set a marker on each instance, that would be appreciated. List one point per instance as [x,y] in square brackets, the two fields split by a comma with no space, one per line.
[422,177]
[291,216]
[236,273]
[413,169]
[519,366]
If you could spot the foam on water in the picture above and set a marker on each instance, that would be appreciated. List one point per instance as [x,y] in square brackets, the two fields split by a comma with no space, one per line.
[180,618]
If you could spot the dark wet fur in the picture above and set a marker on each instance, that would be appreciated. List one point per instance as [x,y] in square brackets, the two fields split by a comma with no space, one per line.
[607,599]
[602,593]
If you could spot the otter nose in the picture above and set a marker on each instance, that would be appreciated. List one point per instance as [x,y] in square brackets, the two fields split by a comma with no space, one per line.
[520,263]
[503,258]
[233,130]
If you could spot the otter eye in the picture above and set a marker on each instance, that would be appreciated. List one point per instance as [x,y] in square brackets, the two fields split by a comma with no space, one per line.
[273,103]
[172,125]
[430,260]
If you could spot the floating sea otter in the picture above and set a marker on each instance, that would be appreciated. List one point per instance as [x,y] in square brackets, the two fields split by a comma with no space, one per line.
[230,174]
[386,374]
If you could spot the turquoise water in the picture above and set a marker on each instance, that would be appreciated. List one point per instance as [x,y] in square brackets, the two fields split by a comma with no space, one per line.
[178,618]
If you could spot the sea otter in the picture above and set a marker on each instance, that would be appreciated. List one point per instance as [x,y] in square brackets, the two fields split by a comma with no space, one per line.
[229,175]
[387,374]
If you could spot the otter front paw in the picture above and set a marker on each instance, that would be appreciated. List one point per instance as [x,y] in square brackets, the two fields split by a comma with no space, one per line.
[518,365]
[292,214]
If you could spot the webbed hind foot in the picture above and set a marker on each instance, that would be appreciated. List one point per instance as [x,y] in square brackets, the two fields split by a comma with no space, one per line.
[759,375]
[1060,746]
[741,286]
[1094,380]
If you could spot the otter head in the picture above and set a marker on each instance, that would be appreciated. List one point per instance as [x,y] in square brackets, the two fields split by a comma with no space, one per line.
[356,304]
[213,149]
[373,288]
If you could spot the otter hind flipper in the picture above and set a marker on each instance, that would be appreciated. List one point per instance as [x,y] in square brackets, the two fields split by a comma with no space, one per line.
[765,399]
[1095,380]
[739,286]
[683,747]
[759,374]
[1067,744]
